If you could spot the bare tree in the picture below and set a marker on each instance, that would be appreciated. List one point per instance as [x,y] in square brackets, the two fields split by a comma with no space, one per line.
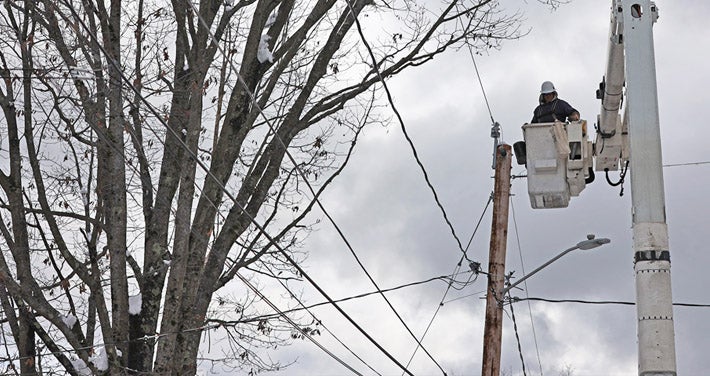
[152,152]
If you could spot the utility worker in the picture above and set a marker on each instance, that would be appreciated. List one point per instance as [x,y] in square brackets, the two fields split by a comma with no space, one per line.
[552,108]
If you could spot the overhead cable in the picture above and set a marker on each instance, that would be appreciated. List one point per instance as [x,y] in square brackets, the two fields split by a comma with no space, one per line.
[496,130]
[299,301]
[515,328]
[443,278]
[300,172]
[686,164]
[375,67]
[525,283]
[480,81]
[298,327]
[516,299]
[449,286]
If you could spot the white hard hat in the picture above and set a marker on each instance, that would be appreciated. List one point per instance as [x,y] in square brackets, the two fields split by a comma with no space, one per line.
[547,88]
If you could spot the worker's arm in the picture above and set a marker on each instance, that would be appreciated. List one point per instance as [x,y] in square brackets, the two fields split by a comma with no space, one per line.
[564,110]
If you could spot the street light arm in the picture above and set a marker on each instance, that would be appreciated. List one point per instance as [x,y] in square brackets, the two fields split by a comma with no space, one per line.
[543,266]
[590,243]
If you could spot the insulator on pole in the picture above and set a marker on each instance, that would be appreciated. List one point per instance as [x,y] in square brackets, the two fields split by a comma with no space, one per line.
[495,134]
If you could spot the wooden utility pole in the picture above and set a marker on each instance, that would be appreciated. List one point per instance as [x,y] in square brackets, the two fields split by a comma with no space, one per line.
[496,263]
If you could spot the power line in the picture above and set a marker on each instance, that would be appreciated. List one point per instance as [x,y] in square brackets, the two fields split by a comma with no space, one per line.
[442,278]
[298,327]
[466,296]
[478,75]
[409,141]
[293,296]
[485,97]
[525,283]
[328,330]
[375,67]
[515,329]
[686,164]
[496,129]
[298,169]
[216,325]
[449,286]
[600,302]
[219,323]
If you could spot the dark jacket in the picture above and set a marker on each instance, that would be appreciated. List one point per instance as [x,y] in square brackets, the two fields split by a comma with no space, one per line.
[551,111]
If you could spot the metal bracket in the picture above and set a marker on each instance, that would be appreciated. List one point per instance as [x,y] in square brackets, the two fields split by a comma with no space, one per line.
[495,134]
[606,134]
[652,256]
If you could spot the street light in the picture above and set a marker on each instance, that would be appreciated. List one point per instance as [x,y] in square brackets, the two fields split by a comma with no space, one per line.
[492,332]
[590,243]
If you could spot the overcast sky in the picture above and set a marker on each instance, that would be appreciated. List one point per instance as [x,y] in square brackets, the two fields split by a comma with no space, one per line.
[387,212]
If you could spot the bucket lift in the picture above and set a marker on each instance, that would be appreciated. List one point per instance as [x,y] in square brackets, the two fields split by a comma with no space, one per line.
[559,162]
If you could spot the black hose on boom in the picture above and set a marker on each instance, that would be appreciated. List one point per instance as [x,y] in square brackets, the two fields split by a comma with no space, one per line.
[622,176]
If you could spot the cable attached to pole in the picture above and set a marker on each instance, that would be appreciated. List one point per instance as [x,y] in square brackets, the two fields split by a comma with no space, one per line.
[515,326]
[622,177]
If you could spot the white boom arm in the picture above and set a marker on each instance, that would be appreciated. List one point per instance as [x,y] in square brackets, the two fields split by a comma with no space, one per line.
[611,132]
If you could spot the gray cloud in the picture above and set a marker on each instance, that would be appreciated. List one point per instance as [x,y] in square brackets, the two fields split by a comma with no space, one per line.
[387,212]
